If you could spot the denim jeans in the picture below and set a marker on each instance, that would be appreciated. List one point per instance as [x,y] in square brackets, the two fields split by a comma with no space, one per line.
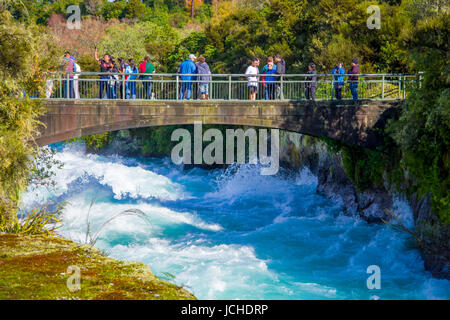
[148,87]
[354,90]
[104,86]
[68,89]
[131,90]
[204,88]
[186,87]
[270,91]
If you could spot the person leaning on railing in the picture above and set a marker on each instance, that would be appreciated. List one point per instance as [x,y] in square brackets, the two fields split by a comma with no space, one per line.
[311,82]
[131,71]
[353,80]
[269,80]
[338,79]
[105,67]
[187,68]
[68,67]
[148,69]
[204,75]
[121,65]
[281,70]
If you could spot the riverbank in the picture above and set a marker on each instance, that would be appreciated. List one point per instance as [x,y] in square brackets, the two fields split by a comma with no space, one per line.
[36,267]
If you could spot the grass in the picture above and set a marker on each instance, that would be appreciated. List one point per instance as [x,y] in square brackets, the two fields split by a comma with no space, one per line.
[35,267]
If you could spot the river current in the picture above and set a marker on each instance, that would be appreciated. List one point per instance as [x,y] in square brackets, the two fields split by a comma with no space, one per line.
[234,234]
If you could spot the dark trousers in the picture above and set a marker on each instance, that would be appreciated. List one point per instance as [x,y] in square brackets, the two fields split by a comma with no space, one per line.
[68,89]
[185,92]
[338,91]
[310,93]
[270,91]
[354,90]
[104,87]
[120,89]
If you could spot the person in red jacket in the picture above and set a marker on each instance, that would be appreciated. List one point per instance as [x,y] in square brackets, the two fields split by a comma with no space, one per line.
[147,68]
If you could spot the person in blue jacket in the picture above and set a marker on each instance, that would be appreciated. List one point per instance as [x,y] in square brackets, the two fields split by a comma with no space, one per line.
[338,80]
[187,69]
[131,72]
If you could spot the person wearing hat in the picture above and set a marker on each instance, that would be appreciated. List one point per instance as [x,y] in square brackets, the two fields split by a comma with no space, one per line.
[353,80]
[187,69]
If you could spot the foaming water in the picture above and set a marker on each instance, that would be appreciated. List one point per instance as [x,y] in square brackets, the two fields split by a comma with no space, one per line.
[234,234]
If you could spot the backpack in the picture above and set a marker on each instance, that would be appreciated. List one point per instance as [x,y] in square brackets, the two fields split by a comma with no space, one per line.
[76,67]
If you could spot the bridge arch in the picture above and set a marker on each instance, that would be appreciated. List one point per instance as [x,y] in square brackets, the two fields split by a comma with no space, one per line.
[351,122]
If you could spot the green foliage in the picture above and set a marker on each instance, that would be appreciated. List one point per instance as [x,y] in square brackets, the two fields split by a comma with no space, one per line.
[363,166]
[138,40]
[423,129]
[25,54]
[94,142]
[39,221]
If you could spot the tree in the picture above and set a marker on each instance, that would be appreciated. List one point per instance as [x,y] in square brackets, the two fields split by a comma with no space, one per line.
[191,5]
[423,129]
[93,6]
[26,53]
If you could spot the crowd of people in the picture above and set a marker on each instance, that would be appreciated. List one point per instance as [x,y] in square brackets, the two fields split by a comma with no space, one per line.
[112,85]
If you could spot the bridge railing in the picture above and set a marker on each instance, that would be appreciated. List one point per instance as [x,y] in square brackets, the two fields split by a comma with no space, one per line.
[89,85]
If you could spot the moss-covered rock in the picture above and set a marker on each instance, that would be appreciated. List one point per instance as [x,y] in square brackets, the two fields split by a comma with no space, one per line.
[36,267]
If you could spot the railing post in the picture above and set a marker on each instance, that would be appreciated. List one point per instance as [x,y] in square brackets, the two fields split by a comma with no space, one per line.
[177,89]
[161,93]
[123,87]
[60,86]
[68,87]
[281,87]
[332,87]
[404,87]
[382,90]
[229,87]
[400,87]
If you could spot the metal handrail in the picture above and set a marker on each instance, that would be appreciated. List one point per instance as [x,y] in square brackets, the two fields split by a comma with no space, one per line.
[168,86]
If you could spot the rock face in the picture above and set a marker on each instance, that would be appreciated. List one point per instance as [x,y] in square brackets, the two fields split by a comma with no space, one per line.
[433,237]
[297,151]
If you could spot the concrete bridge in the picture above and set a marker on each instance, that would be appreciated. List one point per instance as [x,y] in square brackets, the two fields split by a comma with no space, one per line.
[351,122]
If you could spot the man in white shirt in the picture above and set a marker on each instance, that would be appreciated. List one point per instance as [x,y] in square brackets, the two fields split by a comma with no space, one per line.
[253,79]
